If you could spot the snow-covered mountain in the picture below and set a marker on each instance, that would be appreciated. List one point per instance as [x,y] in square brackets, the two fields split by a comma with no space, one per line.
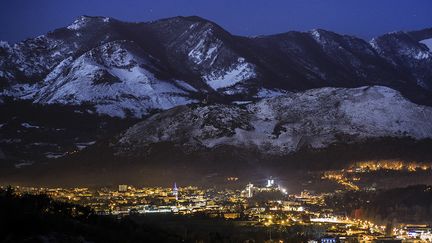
[408,52]
[130,69]
[115,78]
[285,124]
[229,101]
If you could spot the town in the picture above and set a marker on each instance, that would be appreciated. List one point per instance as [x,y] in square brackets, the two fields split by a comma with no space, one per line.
[268,207]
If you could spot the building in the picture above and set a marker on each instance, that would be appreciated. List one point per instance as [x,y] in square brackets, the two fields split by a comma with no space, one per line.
[231,215]
[270,186]
[270,182]
[249,190]
[122,188]
[328,239]
[387,240]
[175,191]
[422,232]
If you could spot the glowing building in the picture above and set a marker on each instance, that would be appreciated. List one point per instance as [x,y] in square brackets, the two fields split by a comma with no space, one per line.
[175,191]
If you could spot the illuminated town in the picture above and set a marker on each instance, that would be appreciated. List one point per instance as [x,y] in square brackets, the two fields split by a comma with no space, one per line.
[268,207]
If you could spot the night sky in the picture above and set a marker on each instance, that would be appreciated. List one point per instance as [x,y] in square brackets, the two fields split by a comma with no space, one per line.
[20,19]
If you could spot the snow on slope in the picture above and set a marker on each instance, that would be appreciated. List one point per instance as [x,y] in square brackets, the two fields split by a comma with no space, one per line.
[428,43]
[399,44]
[21,91]
[82,21]
[34,56]
[205,49]
[113,79]
[218,65]
[238,72]
[280,125]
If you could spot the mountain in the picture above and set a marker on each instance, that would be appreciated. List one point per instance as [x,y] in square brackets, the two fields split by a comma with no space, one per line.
[115,77]
[106,96]
[124,69]
[285,124]
[408,54]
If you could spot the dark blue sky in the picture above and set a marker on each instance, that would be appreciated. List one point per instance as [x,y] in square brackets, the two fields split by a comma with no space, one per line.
[20,19]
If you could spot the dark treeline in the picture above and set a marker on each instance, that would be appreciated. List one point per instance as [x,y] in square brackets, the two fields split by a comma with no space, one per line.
[38,218]
[410,205]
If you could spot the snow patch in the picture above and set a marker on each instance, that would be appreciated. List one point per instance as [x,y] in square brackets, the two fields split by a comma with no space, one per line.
[21,91]
[193,25]
[428,43]
[316,34]
[420,55]
[23,164]
[84,145]
[238,72]
[206,49]
[56,54]
[186,86]
[52,155]
[28,125]
[241,102]
[77,24]
[5,45]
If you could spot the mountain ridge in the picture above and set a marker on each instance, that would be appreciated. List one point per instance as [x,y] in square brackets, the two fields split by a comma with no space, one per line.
[215,63]
[284,124]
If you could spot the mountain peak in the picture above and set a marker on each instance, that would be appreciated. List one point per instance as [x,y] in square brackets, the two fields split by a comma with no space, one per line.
[321,34]
[4,44]
[189,22]
[83,21]
[192,18]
